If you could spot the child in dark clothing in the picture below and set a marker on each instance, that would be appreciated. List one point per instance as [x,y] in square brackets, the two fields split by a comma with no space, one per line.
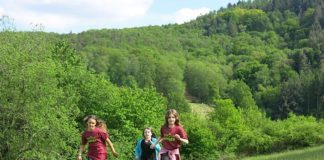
[145,148]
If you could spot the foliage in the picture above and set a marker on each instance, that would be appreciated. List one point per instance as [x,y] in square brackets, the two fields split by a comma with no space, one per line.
[201,138]
[240,94]
[138,109]
[247,131]
[201,81]
[250,61]
[38,118]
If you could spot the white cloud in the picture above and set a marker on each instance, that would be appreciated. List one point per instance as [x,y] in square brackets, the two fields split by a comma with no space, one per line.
[184,15]
[187,14]
[1,12]
[63,15]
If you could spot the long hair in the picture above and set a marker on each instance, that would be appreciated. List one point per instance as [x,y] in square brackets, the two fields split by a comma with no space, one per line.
[176,115]
[102,125]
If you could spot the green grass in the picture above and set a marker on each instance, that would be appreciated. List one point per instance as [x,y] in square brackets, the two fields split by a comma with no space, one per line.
[200,109]
[313,153]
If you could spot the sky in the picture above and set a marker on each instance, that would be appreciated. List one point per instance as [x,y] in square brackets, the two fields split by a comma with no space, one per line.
[65,16]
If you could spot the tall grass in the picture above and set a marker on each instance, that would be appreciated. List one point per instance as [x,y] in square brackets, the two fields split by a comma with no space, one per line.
[313,153]
[200,109]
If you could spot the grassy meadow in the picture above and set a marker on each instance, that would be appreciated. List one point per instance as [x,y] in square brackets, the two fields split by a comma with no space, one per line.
[312,153]
[200,109]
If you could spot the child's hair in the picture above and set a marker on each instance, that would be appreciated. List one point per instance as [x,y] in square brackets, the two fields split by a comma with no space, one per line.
[149,128]
[102,125]
[176,115]
[86,119]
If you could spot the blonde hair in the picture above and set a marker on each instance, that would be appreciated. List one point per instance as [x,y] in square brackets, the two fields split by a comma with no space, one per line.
[102,125]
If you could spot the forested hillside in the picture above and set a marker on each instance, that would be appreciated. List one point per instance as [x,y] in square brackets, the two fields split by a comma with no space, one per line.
[273,47]
[259,64]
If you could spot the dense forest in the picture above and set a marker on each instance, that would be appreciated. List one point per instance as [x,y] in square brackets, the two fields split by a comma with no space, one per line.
[259,64]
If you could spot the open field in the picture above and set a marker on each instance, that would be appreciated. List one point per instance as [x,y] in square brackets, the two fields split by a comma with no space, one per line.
[313,153]
[200,108]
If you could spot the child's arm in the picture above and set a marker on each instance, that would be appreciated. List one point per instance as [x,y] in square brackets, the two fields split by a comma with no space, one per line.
[79,156]
[160,140]
[112,147]
[138,150]
[156,144]
[181,139]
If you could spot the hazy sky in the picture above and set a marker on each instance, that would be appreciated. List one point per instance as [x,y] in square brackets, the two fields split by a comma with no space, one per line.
[63,16]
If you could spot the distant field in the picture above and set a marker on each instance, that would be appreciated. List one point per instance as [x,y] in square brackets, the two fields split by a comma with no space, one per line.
[200,109]
[314,153]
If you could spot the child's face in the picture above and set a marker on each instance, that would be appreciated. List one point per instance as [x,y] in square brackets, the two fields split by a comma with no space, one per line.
[91,124]
[171,119]
[147,133]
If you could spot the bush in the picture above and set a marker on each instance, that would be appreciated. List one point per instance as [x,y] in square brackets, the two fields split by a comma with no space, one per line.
[202,141]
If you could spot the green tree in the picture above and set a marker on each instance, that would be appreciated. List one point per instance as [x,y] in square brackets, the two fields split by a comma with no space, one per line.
[169,78]
[203,80]
[240,94]
[38,114]
[228,125]
[200,134]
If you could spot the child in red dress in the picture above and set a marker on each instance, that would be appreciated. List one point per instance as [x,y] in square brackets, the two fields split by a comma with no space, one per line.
[96,139]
